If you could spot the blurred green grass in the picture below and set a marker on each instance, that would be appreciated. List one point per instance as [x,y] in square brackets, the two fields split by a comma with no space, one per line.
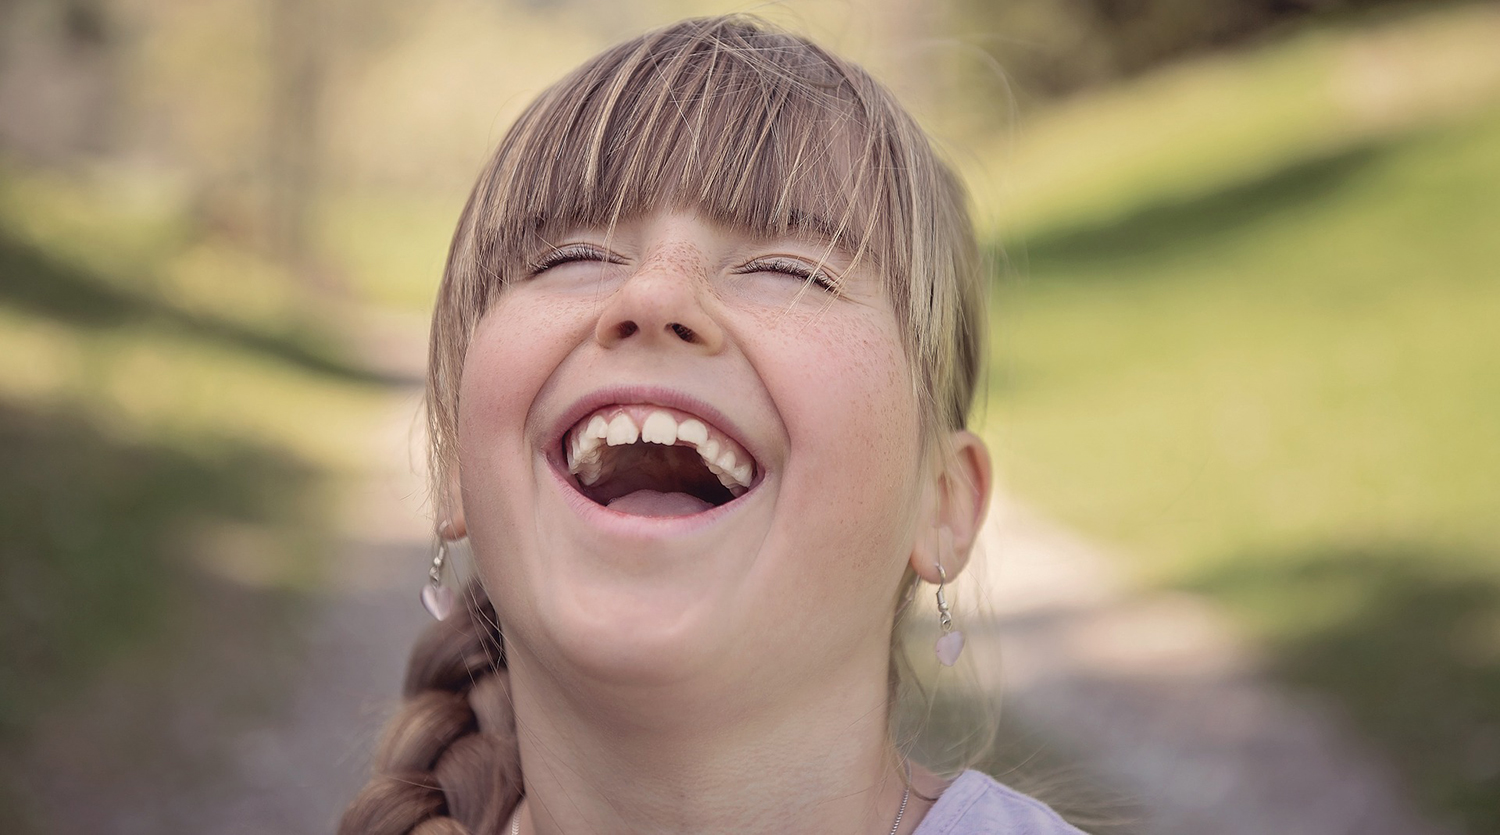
[1277,385]
[175,413]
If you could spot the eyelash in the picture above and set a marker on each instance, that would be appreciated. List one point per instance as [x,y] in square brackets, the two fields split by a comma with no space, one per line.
[569,253]
[793,268]
[583,252]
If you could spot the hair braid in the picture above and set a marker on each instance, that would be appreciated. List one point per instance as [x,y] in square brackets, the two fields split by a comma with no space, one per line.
[448,764]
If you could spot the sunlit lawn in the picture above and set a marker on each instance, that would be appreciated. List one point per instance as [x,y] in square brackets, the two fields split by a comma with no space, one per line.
[1280,389]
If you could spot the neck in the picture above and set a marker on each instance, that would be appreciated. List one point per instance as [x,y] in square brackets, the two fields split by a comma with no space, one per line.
[671,760]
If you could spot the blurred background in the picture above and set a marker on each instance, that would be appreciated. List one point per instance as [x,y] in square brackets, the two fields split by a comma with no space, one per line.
[1242,398]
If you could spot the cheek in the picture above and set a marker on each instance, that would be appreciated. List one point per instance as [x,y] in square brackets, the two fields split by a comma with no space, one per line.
[854,428]
[516,347]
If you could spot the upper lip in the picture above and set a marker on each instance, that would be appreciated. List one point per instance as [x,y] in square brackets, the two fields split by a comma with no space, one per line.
[651,396]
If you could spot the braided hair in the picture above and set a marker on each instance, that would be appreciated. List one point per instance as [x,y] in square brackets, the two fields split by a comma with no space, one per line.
[448,764]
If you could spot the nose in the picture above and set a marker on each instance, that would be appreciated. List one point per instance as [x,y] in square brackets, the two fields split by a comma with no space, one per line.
[661,304]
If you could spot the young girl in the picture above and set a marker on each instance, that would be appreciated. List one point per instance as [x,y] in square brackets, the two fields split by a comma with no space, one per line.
[700,367]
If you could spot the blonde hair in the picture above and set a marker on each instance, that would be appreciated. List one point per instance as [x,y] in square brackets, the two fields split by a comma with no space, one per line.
[748,126]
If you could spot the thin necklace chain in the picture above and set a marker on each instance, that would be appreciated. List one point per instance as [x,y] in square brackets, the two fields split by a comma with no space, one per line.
[515,817]
[905,796]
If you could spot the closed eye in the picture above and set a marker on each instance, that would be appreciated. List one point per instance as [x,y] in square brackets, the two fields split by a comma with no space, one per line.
[568,253]
[792,267]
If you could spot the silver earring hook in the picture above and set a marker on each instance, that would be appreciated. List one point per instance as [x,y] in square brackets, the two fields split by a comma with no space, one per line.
[438,599]
[951,644]
[435,573]
[945,617]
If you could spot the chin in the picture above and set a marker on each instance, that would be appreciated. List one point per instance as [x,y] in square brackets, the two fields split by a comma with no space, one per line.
[626,637]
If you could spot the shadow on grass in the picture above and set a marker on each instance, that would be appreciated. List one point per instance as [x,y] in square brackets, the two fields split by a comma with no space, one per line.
[93,535]
[33,281]
[1410,647]
[1200,221]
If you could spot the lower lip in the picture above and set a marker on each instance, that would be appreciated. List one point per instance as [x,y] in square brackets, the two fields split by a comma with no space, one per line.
[628,524]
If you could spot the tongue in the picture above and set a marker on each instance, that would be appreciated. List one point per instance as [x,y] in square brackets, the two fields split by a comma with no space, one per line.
[652,503]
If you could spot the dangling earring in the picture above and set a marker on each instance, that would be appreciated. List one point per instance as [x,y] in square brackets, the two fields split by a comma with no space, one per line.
[951,643]
[437,599]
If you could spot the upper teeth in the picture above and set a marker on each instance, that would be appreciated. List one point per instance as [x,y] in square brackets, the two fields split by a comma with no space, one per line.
[722,456]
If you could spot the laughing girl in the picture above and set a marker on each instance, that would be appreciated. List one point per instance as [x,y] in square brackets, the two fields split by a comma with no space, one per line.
[700,366]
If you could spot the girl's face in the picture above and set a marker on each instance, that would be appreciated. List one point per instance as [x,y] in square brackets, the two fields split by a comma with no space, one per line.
[661,571]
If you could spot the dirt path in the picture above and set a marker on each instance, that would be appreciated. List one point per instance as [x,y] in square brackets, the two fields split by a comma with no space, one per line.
[1155,697]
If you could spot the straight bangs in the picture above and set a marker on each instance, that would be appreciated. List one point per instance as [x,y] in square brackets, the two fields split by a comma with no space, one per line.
[751,129]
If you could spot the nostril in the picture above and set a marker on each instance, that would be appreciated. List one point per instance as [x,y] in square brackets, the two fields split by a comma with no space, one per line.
[683,332]
[625,329]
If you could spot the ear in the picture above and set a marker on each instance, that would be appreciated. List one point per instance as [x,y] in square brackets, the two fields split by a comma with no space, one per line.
[451,524]
[959,494]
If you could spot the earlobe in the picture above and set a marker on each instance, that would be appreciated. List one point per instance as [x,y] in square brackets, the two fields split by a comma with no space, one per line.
[936,548]
[452,525]
[961,496]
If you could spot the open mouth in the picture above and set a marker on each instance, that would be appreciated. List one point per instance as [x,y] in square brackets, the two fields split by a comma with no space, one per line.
[653,461]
